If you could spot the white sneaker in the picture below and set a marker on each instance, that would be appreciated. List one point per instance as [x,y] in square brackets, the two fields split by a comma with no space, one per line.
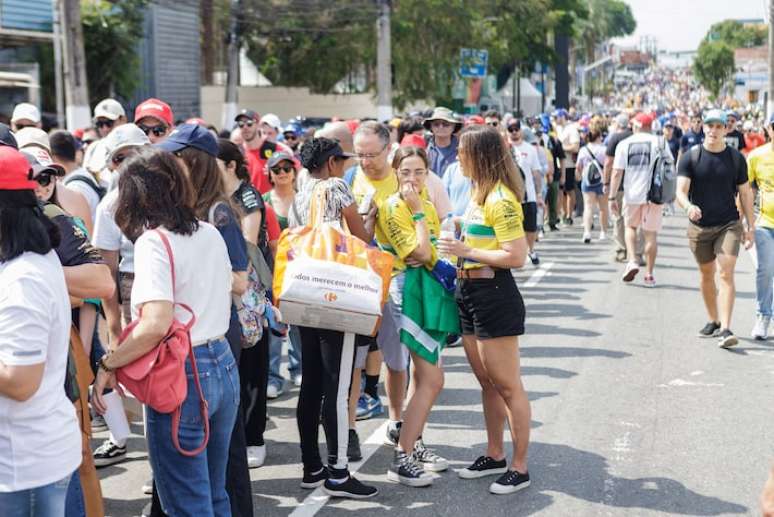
[256,455]
[297,380]
[632,268]
[602,235]
[147,487]
[586,237]
[761,330]
[273,391]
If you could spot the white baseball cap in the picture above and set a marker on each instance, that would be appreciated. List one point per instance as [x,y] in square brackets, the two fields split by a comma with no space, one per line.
[272,120]
[26,111]
[125,135]
[110,109]
[32,136]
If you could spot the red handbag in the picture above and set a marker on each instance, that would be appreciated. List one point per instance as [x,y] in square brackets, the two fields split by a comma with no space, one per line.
[158,378]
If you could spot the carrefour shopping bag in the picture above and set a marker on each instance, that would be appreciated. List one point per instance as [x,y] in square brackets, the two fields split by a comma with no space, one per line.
[326,278]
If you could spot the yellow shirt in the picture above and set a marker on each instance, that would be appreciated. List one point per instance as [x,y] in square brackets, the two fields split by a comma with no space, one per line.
[501,219]
[760,169]
[395,222]
[382,189]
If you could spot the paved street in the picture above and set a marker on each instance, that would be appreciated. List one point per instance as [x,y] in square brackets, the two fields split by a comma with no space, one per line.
[632,414]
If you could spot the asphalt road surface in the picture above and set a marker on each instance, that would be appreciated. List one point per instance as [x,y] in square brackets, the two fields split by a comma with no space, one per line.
[632,413]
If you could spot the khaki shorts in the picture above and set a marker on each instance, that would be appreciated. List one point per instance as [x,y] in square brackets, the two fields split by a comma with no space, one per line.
[708,242]
[646,216]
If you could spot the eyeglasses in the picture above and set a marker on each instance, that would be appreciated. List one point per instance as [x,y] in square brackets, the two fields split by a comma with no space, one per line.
[287,169]
[105,123]
[156,130]
[248,123]
[369,156]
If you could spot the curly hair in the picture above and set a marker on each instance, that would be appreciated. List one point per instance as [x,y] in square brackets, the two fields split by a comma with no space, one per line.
[313,152]
[154,191]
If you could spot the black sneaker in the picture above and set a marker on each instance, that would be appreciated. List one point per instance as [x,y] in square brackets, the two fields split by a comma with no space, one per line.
[726,339]
[533,257]
[341,484]
[710,329]
[510,482]
[393,435]
[314,479]
[405,469]
[353,447]
[483,466]
[427,459]
[109,453]
[553,227]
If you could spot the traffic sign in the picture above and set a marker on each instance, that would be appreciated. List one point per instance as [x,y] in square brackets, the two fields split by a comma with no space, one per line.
[473,62]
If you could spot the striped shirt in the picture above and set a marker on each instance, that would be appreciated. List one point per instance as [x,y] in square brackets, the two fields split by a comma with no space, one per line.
[499,220]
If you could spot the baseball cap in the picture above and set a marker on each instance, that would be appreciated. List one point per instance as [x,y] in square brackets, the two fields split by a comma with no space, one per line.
[732,113]
[190,135]
[125,135]
[622,120]
[273,121]
[246,113]
[514,123]
[110,109]
[197,121]
[644,119]
[291,128]
[715,116]
[32,136]
[561,112]
[26,111]
[278,157]
[14,170]
[6,137]
[41,163]
[412,139]
[155,108]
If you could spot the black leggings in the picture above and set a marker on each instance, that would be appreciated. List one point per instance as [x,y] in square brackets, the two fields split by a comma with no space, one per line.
[254,377]
[327,365]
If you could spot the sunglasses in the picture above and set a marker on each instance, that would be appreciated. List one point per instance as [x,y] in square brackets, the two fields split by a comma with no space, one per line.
[43,179]
[290,137]
[440,123]
[156,130]
[248,123]
[105,123]
[514,129]
[19,127]
[287,169]
[494,123]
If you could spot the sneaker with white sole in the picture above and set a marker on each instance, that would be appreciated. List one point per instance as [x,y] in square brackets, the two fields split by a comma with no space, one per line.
[256,456]
[147,487]
[483,466]
[314,479]
[296,377]
[392,435]
[274,390]
[711,329]
[649,281]
[109,453]
[428,459]
[341,484]
[405,469]
[510,482]
[533,257]
[586,238]
[602,236]
[630,272]
[761,330]
[727,339]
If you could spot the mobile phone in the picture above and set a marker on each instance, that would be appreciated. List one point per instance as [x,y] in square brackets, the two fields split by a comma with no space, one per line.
[365,204]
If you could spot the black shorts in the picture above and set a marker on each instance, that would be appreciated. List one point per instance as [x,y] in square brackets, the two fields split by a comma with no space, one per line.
[569,180]
[490,307]
[530,216]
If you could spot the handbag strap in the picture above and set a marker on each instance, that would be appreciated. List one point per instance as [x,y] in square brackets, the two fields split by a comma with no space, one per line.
[203,407]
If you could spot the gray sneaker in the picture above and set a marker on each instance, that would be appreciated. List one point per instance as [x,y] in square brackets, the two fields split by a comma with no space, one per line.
[761,330]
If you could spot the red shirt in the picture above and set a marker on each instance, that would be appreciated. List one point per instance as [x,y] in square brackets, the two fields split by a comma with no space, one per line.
[272,225]
[256,164]
[753,140]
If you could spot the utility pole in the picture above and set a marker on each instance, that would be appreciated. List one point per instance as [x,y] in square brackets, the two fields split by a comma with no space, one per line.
[58,79]
[232,81]
[383,63]
[562,91]
[770,100]
[77,109]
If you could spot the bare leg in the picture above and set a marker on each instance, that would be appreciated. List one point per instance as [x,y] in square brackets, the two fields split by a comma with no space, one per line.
[589,201]
[631,243]
[651,248]
[603,212]
[494,408]
[727,291]
[428,379]
[395,386]
[531,238]
[709,291]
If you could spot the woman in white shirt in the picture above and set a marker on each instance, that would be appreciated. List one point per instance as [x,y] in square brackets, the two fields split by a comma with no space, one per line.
[40,444]
[186,485]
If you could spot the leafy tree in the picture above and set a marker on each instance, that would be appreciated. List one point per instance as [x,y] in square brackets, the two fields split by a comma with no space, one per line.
[737,35]
[111,32]
[714,65]
[607,19]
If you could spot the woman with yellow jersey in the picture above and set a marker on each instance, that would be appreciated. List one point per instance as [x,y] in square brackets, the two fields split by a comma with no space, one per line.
[410,227]
[490,305]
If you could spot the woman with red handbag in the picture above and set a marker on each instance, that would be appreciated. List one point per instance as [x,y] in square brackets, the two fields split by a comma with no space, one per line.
[181,299]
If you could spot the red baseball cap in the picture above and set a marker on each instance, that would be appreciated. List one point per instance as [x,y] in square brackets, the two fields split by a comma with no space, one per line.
[413,140]
[196,120]
[644,119]
[14,170]
[154,108]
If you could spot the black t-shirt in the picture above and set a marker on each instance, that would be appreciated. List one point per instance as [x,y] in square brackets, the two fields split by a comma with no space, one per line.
[690,139]
[674,146]
[714,183]
[555,146]
[735,139]
[614,140]
[74,248]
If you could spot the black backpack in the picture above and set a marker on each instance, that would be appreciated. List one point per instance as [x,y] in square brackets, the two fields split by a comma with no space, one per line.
[663,182]
[90,182]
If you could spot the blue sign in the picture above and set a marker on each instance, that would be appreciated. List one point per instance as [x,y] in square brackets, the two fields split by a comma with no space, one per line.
[473,62]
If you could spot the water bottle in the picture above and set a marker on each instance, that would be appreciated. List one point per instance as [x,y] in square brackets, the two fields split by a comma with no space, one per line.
[448,230]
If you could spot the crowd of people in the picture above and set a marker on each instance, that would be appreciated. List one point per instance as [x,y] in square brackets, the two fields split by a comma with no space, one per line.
[118,239]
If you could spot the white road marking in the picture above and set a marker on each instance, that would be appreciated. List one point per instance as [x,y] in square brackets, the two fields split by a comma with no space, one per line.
[538,275]
[317,499]
[679,383]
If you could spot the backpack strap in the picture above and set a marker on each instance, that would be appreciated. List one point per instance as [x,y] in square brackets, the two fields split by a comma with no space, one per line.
[88,181]
[203,407]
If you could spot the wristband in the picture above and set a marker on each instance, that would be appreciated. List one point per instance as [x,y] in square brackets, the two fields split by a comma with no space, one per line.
[418,216]
[102,364]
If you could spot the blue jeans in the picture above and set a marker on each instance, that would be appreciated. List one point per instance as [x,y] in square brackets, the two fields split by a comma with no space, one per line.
[43,501]
[275,355]
[764,275]
[196,486]
[74,503]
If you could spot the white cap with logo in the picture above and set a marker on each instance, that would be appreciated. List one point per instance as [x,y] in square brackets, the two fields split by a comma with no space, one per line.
[272,120]
[125,135]
[110,109]
[32,136]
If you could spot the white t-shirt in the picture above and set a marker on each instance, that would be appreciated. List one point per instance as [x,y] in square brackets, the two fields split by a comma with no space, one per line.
[569,136]
[84,188]
[635,155]
[107,235]
[203,278]
[526,156]
[40,442]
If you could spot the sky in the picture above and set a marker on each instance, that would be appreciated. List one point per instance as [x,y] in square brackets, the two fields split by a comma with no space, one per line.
[681,24]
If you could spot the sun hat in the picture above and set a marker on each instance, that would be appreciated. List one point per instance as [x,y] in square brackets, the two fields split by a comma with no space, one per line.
[441,113]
